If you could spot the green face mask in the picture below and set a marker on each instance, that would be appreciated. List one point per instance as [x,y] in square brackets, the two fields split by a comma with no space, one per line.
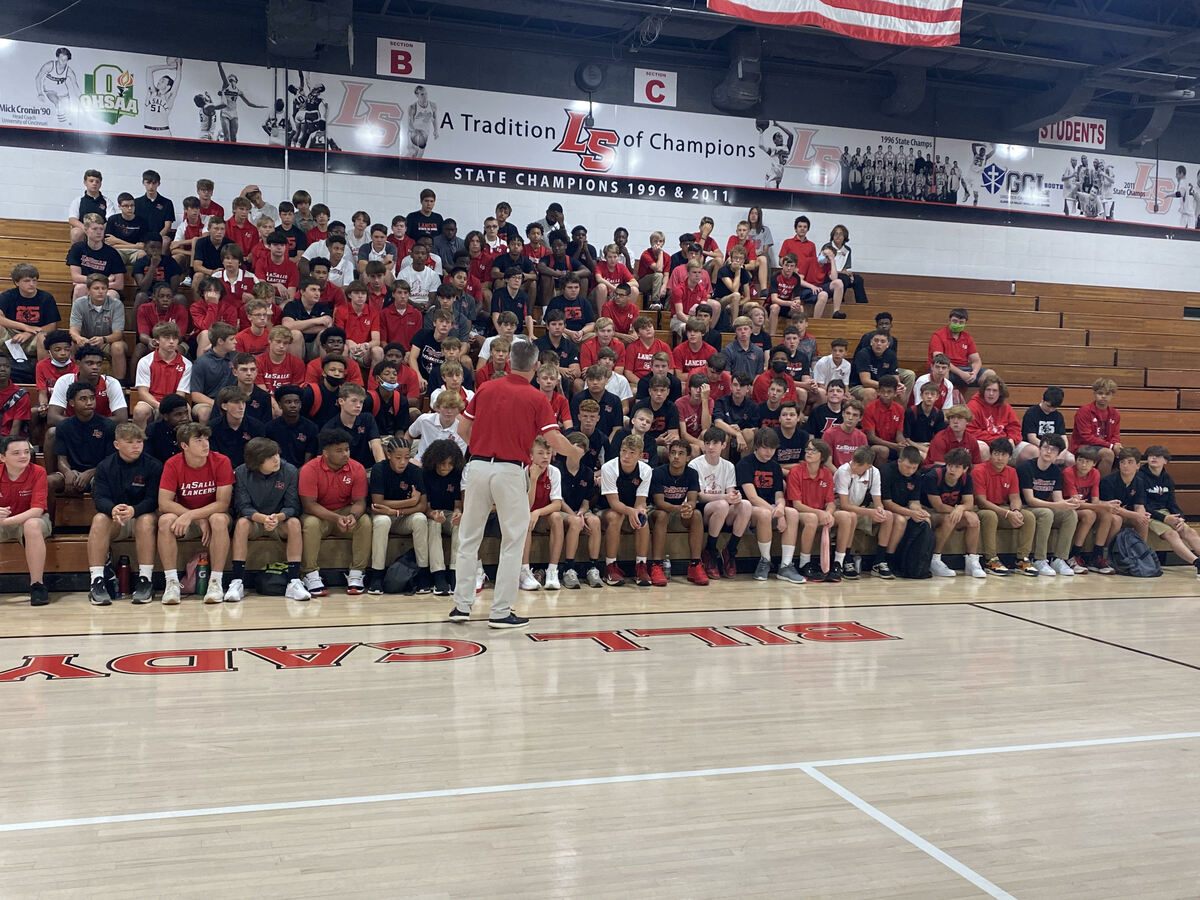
[957,328]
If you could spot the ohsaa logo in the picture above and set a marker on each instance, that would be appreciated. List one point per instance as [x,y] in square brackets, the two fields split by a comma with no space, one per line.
[1028,184]
[108,93]
[594,146]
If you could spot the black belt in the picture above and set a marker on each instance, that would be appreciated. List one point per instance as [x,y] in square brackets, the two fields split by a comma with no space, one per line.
[495,459]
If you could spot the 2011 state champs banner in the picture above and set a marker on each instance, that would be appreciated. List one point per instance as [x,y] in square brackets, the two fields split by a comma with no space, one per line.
[449,134]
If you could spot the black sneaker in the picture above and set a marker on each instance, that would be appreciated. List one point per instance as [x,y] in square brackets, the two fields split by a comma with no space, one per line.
[98,595]
[143,590]
[849,570]
[424,584]
[839,315]
[457,615]
[39,596]
[812,571]
[512,620]
[441,586]
[834,575]
[882,570]
[374,583]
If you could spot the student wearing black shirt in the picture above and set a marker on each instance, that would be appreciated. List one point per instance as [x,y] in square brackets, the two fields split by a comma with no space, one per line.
[125,491]
[578,315]
[611,415]
[232,427]
[555,339]
[510,298]
[319,401]
[128,228]
[426,353]
[1041,485]
[900,487]
[441,474]
[587,423]
[642,393]
[160,436]
[870,365]
[923,421]
[793,440]
[295,435]
[308,308]
[366,444]
[397,507]
[737,414]
[424,221]
[81,442]
[1166,518]
[206,258]
[157,210]
[578,487]
[1044,418]
[674,489]
[761,481]
[665,425]
[948,492]
[767,413]
[829,412]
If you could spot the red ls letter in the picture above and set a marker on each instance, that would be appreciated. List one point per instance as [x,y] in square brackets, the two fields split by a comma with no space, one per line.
[448,649]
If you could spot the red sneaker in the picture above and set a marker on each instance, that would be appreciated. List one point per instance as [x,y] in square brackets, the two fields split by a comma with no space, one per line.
[728,563]
[642,575]
[658,577]
[696,575]
[710,566]
[613,576]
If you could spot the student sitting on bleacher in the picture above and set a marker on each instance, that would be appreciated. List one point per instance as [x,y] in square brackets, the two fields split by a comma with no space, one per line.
[81,442]
[966,365]
[98,319]
[1044,419]
[998,501]
[23,504]
[1041,481]
[1098,424]
[992,417]
[1166,518]
[125,492]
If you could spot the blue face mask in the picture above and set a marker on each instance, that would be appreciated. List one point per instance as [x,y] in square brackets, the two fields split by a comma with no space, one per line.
[390,385]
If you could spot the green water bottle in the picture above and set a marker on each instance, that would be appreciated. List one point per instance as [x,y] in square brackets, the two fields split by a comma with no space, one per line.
[203,572]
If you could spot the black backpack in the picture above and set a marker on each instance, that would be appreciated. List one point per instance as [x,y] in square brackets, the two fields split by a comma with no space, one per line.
[400,574]
[273,580]
[914,552]
[1130,555]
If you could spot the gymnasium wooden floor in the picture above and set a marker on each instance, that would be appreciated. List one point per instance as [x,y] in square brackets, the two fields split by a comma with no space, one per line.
[920,740]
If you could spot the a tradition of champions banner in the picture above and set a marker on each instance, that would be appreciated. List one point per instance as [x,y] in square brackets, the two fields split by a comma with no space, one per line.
[523,142]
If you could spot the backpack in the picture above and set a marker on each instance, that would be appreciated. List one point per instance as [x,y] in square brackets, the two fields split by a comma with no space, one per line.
[914,552]
[1130,555]
[273,580]
[399,575]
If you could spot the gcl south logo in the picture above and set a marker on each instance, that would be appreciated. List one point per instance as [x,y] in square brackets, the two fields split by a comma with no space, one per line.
[1027,184]
[108,93]
[594,146]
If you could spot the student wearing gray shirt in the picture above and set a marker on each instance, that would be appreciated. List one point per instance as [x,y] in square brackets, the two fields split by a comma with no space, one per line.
[98,318]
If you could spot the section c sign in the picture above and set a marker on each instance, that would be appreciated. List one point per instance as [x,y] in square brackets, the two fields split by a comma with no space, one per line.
[1089,134]
[652,87]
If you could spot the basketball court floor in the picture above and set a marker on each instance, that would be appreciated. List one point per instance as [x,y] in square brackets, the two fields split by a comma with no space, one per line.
[923,740]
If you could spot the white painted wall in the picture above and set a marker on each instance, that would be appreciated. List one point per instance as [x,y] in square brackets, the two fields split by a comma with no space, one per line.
[41,184]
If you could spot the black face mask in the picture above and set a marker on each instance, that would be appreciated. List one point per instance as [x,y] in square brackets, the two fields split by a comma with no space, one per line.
[779,366]
[334,382]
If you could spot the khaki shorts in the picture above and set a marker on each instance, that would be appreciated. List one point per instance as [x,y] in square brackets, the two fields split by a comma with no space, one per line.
[10,533]
[865,524]
[258,529]
[128,254]
[1158,527]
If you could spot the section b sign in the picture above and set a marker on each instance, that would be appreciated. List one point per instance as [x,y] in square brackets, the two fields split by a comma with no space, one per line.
[653,87]
[395,58]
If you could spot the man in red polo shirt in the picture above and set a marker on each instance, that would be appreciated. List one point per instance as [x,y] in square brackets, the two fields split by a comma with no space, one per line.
[193,503]
[686,295]
[277,366]
[966,365]
[500,429]
[360,321]
[239,228]
[400,319]
[277,269]
[23,510]
[333,495]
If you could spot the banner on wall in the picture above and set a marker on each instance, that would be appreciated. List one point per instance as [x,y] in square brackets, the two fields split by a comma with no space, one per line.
[562,145]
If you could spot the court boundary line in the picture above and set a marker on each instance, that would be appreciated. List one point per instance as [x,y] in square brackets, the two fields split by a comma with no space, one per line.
[591,615]
[1088,637]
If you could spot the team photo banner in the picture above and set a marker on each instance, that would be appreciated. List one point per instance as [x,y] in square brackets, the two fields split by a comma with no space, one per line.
[555,144]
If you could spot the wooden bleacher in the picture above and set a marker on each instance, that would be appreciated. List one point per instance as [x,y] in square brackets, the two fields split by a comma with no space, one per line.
[1034,333]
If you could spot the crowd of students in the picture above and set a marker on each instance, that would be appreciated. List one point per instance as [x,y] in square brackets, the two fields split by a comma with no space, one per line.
[282,362]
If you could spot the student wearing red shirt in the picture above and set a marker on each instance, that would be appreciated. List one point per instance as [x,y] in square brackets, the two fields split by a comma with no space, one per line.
[883,421]
[1081,482]
[610,273]
[785,293]
[400,240]
[695,413]
[640,353]
[260,252]
[400,321]
[333,494]
[845,437]
[754,263]
[23,517]
[360,321]
[162,308]
[277,269]
[254,340]
[56,364]
[209,209]
[809,490]
[653,267]
[966,365]
[713,258]
[193,502]
[689,294]
[277,366]
[239,228]
[333,342]
[319,231]
[953,437]
[549,381]
[693,353]
[165,371]
[605,337]
[800,246]
[777,369]
[238,283]
[622,312]
[998,502]
[1098,424]
[993,417]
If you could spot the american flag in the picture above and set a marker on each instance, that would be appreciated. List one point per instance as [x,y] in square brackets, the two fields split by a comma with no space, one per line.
[930,23]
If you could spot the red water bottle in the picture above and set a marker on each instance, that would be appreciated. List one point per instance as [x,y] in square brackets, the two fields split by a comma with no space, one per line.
[124,576]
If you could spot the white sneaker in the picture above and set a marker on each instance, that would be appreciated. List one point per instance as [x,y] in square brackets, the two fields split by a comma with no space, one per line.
[1061,568]
[480,579]
[171,594]
[314,585]
[552,581]
[1043,567]
[528,582]
[937,567]
[974,569]
[235,592]
[214,594]
[593,578]
[295,590]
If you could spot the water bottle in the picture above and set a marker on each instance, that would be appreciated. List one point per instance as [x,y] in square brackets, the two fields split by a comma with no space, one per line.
[124,576]
[667,566]
[202,575]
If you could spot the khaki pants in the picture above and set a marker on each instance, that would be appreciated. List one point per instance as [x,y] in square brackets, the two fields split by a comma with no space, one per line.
[434,533]
[505,486]
[1064,520]
[384,526]
[650,286]
[989,522]
[316,530]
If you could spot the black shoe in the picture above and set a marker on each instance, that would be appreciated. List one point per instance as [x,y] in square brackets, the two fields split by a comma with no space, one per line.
[374,582]
[38,596]
[423,584]
[812,571]
[98,595]
[834,575]
[839,315]
[512,620]
[143,590]
[457,615]
[441,587]
[850,571]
